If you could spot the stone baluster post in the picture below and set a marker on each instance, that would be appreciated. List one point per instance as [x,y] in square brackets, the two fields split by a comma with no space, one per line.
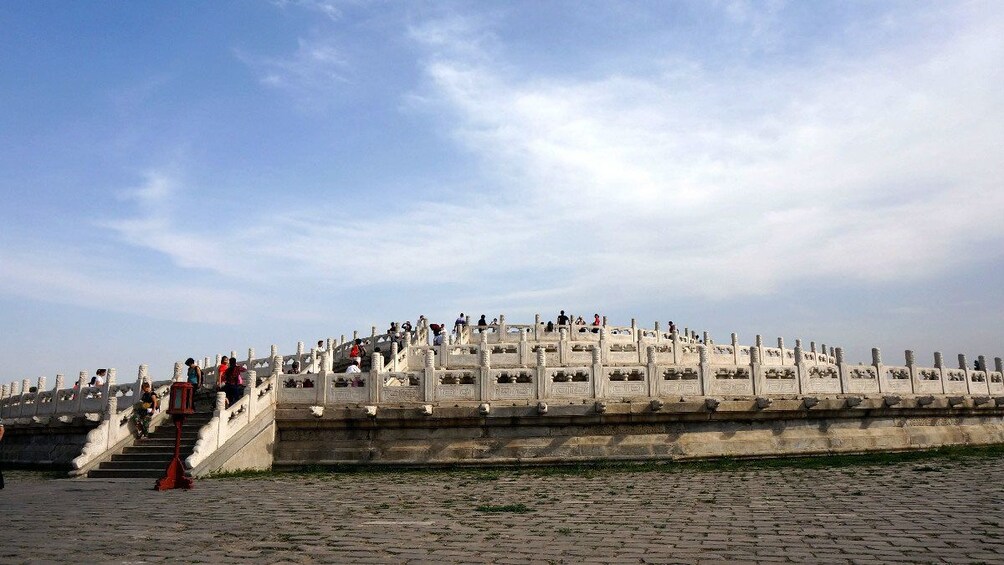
[444,350]
[705,370]
[675,336]
[758,345]
[524,348]
[784,356]
[706,338]
[964,365]
[838,355]
[756,370]
[429,378]
[299,354]
[250,390]
[111,409]
[735,348]
[81,383]
[604,321]
[998,365]
[877,363]
[815,354]
[60,380]
[911,367]
[982,360]
[536,327]
[651,372]
[393,357]
[686,334]
[658,332]
[484,374]
[275,360]
[39,388]
[323,381]
[376,376]
[635,336]
[939,360]
[604,346]
[564,347]
[542,386]
[598,377]
[801,372]
[109,391]
[233,354]
[501,329]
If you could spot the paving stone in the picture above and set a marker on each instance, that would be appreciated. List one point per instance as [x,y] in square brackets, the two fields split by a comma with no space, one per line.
[763,516]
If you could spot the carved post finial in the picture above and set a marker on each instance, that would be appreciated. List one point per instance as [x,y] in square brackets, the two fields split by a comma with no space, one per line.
[41,384]
[541,356]
[910,359]
[59,381]
[982,361]
[179,375]
[962,361]
[651,354]
[143,373]
[839,354]
[876,356]
[274,350]
[754,355]
[998,365]
[430,358]
[939,360]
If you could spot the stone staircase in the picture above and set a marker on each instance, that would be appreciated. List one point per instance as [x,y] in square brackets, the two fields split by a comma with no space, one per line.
[148,458]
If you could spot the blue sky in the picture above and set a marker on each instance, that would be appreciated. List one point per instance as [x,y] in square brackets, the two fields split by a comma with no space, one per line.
[183,179]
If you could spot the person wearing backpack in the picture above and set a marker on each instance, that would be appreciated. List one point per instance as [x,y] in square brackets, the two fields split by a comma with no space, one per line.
[357,351]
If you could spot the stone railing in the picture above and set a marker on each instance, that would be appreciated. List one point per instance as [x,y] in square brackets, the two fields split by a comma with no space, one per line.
[20,404]
[228,421]
[560,371]
[110,406]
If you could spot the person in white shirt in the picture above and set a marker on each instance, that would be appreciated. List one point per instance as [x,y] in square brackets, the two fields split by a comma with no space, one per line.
[353,367]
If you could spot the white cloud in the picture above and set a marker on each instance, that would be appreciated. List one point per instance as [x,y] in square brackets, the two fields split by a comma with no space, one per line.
[684,182]
[310,74]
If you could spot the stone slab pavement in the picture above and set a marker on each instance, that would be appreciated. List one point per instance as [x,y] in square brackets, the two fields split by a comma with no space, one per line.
[912,512]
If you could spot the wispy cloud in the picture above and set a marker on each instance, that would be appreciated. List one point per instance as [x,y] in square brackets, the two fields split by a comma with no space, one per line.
[850,170]
[328,8]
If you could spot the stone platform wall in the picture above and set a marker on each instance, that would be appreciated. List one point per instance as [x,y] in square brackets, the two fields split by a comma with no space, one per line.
[624,431]
[44,446]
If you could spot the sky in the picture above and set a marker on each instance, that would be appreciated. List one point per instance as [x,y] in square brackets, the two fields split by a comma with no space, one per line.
[186,179]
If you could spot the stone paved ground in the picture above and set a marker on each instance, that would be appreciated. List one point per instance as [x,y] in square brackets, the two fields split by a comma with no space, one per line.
[927,511]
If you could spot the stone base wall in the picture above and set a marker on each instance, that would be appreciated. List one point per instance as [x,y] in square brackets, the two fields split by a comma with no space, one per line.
[404,438]
[43,446]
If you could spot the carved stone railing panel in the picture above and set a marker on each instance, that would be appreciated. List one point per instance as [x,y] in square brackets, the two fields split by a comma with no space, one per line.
[679,380]
[779,380]
[927,381]
[822,379]
[955,382]
[896,380]
[862,379]
[730,380]
[404,386]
